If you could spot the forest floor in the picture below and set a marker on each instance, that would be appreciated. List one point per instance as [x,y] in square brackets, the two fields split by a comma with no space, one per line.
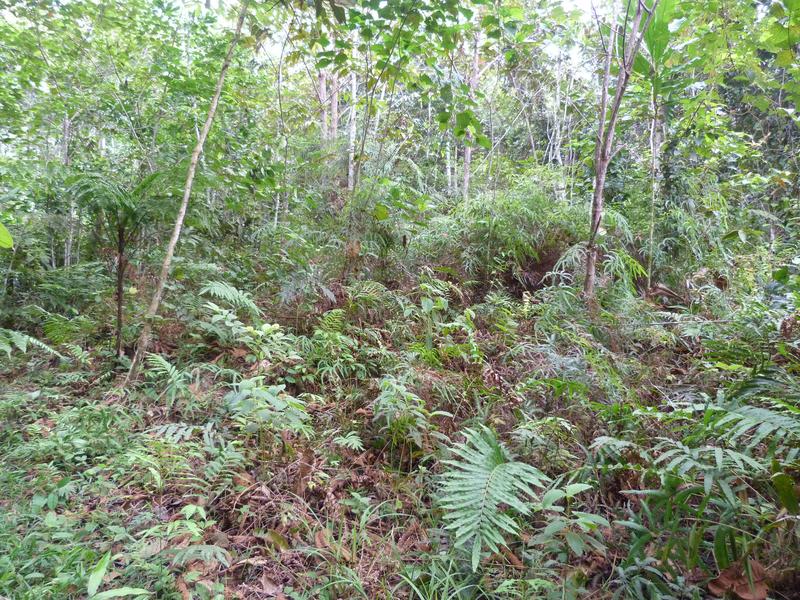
[286,464]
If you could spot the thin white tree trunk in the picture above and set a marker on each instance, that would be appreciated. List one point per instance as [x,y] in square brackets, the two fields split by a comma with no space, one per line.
[654,150]
[351,134]
[144,339]
[378,111]
[473,85]
[322,90]
[334,94]
[605,131]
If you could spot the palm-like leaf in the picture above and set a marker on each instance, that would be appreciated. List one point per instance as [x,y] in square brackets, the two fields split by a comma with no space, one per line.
[483,489]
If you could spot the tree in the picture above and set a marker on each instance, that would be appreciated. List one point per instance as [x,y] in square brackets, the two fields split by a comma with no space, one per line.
[120,215]
[622,43]
[143,344]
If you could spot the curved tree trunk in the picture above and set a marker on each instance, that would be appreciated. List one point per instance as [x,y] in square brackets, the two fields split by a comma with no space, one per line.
[144,339]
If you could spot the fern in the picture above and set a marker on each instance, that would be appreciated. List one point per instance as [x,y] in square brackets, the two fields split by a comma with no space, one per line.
[61,330]
[349,440]
[81,356]
[227,293]
[176,381]
[219,473]
[332,321]
[9,339]
[759,423]
[175,433]
[207,553]
[482,478]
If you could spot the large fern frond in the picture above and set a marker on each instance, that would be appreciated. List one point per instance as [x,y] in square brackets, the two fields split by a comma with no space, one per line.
[9,339]
[483,489]
[235,297]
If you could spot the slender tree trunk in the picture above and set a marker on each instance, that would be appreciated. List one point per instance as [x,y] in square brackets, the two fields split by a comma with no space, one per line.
[654,150]
[448,168]
[473,85]
[605,131]
[322,90]
[381,98]
[351,134]
[66,132]
[144,339]
[10,266]
[121,264]
[334,94]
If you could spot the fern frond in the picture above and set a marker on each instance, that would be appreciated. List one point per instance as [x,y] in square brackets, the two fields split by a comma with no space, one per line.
[227,293]
[160,368]
[10,339]
[332,321]
[758,423]
[482,479]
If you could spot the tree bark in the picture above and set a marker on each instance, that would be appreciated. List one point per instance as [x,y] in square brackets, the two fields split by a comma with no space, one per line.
[144,339]
[655,146]
[448,167]
[473,85]
[322,91]
[605,131]
[334,94]
[351,134]
[66,133]
[121,264]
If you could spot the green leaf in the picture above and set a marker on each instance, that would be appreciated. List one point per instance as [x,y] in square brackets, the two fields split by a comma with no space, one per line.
[483,141]
[6,241]
[784,58]
[97,574]
[552,496]
[576,488]
[380,212]
[338,11]
[784,486]
[121,592]
[721,548]
[781,275]
[575,542]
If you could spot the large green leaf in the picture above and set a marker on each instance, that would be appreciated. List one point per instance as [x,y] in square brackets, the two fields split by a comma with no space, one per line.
[658,34]
[6,241]
[97,574]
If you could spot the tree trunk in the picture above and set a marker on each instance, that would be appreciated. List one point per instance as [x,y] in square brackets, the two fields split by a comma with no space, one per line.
[322,91]
[66,132]
[655,146]
[448,167]
[334,94]
[144,339]
[605,131]
[121,264]
[473,85]
[351,134]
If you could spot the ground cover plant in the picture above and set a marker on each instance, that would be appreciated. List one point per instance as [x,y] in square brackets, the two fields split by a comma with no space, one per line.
[419,300]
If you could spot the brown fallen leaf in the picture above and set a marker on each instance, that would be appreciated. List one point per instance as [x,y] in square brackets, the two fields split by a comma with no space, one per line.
[734,580]
[183,589]
[512,558]
[321,540]
[269,587]
[304,471]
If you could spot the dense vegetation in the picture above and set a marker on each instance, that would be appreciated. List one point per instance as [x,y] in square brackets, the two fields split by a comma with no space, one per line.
[368,299]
